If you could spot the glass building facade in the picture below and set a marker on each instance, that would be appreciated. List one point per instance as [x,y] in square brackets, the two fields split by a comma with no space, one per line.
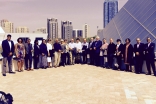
[137,19]
[110,9]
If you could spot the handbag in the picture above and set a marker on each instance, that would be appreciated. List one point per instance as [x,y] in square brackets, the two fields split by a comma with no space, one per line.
[123,66]
[48,59]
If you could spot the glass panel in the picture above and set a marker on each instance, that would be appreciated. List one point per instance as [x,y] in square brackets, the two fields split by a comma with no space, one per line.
[150,19]
[148,14]
[152,26]
[154,31]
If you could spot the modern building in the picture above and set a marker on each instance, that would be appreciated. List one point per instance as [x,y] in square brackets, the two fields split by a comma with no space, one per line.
[137,19]
[22,30]
[110,9]
[66,30]
[80,34]
[41,30]
[86,31]
[7,26]
[1,30]
[74,34]
[100,32]
[52,28]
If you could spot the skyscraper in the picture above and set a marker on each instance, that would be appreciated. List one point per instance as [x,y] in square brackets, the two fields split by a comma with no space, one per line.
[110,9]
[80,33]
[66,30]
[74,34]
[7,26]
[86,31]
[52,28]
[22,30]
[136,19]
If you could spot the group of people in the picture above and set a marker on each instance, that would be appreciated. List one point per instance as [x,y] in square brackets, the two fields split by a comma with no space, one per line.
[95,52]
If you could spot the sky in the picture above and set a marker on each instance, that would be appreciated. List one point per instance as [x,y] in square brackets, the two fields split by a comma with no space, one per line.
[34,13]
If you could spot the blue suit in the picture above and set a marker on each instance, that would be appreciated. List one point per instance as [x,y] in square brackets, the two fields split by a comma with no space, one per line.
[6,51]
[97,45]
[150,55]
[6,48]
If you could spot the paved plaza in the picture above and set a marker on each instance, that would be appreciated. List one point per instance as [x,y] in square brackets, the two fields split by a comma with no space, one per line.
[79,84]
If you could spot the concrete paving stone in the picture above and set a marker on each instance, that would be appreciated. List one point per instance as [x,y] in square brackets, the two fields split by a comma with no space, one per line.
[79,84]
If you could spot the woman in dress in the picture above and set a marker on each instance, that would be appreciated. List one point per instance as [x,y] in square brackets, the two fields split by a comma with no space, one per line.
[128,54]
[103,51]
[36,54]
[44,54]
[20,54]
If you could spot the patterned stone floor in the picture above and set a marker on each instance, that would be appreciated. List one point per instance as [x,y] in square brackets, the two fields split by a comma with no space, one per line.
[79,84]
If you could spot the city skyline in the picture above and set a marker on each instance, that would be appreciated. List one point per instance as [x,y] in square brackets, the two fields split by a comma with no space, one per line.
[24,13]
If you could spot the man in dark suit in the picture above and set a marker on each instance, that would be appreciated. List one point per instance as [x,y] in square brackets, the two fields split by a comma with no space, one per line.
[139,56]
[119,53]
[91,51]
[110,53]
[28,55]
[97,46]
[150,55]
[8,51]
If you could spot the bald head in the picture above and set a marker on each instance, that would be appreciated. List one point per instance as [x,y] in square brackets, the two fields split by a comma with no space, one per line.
[111,40]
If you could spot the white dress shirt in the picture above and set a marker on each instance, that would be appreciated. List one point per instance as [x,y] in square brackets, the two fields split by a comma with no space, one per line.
[71,45]
[9,44]
[85,44]
[78,46]
[149,44]
[49,47]
[138,45]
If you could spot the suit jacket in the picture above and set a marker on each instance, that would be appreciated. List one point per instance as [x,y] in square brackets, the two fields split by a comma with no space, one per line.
[43,49]
[120,48]
[139,49]
[150,51]
[90,45]
[36,50]
[57,47]
[97,45]
[27,49]
[6,48]
[111,48]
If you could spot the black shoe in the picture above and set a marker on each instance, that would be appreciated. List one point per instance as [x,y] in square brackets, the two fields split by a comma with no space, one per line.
[148,74]
[108,68]
[4,75]
[12,72]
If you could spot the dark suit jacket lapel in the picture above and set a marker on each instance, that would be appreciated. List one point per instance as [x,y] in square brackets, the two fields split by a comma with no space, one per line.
[7,43]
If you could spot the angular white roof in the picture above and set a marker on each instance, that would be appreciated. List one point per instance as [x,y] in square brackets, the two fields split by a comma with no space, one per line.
[1,30]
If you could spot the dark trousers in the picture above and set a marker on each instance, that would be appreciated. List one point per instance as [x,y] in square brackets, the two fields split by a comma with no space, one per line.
[110,60]
[84,54]
[36,62]
[119,58]
[28,58]
[78,58]
[102,61]
[150,63]
[67,58]
[138,64]
[91,57]
[63,59]
[97,59]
